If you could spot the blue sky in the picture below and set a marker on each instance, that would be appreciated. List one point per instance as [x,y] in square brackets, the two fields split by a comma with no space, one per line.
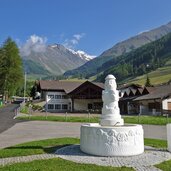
[89,25]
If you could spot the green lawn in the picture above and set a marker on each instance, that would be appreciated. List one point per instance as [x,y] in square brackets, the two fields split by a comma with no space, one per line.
[165,166]
[155,143]
[60,118]
[37,147]
[152,120]
[59,165]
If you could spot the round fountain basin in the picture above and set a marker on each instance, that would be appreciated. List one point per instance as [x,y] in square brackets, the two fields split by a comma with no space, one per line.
[122,140]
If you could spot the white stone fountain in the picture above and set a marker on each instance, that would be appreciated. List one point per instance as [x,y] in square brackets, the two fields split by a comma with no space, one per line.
[111,137]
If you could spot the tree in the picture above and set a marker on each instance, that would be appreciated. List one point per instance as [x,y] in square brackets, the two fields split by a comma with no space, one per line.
[148,83]
[11,68]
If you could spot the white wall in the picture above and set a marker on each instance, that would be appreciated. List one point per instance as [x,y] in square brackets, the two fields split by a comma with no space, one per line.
[165,103]
[82,104]
[57,101]
[79,104]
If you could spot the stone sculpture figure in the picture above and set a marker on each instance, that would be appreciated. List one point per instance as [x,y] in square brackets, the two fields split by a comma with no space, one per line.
[111,137]
[110,96]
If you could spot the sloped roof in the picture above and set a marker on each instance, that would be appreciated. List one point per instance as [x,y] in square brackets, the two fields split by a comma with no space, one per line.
[132,86]
[139,91]
[66,86]
[99,84]
[160,92]
[148,90]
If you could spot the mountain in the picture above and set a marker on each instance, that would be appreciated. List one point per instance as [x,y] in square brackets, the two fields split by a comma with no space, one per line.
[93,67]
[52,60]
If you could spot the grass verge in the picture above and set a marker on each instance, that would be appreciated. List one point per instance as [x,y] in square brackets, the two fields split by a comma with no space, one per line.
[165,166]
[37,147]
[155,143]
[151,120]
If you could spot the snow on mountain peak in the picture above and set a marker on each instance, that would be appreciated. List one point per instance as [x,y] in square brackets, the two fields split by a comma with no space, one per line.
[82,54]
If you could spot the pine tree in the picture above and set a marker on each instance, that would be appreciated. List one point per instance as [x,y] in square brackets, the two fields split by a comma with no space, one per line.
[11,68]
[148,83]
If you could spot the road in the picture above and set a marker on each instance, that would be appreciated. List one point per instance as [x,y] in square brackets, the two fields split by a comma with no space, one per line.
[6,117]
[14,132]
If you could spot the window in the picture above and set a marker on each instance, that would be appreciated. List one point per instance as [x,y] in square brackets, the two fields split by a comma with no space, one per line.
[50,106]
[50,96]
[65,106]
[90,106]
[64,97]
[155,105]
[98,105]
[57,96]
[57,106]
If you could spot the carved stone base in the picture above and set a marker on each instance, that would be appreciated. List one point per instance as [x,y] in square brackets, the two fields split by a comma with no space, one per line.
[127,140]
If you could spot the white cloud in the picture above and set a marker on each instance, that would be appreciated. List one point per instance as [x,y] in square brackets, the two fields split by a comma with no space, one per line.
[34,43]
[71,43]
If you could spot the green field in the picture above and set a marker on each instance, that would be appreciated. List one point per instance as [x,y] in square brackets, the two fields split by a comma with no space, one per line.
[161,75]
[150,120]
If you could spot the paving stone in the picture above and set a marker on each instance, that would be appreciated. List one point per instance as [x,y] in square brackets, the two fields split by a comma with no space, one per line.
[11,160]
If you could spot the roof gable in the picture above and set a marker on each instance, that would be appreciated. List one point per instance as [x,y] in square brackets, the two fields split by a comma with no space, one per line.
[98,86]
[67,86]
[160,92]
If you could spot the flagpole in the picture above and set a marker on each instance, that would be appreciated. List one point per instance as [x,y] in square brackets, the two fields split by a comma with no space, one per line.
[24,86]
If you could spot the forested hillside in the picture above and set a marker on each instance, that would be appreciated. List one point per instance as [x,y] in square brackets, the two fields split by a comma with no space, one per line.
[140,61]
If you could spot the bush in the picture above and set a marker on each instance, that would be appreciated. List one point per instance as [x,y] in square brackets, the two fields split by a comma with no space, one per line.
[37,107]
[24,109]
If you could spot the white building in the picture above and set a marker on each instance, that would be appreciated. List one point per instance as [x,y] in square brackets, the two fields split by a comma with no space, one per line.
[62,96]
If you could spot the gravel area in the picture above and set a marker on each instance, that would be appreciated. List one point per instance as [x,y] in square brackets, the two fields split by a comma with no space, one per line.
[143,162]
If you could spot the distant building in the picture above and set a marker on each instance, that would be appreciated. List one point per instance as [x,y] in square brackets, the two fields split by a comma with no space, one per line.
[128,94]
[145,100]
[63,96]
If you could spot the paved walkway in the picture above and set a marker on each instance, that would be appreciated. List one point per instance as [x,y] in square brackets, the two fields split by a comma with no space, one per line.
[12,160]
[6,117]
[37,130]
